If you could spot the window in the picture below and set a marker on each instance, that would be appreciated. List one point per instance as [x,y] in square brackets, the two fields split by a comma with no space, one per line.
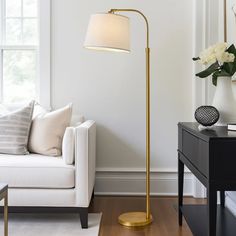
[25,51]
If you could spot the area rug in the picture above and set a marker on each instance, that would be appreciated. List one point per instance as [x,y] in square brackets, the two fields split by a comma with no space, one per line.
[50,225]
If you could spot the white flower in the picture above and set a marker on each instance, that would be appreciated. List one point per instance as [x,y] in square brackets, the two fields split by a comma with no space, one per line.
[208,56]
[220,47]
[217,52]
[225,57]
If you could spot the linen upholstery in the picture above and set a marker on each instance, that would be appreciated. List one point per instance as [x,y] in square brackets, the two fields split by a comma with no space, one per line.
[14,130]
[36,171]
[85,161]
[84,166]
[47,131]
[68,145]
[41,197]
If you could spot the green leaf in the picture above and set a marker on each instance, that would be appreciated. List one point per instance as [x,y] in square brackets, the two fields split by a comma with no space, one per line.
[214,79]
[230,68]
[231,49]
[223,73]
[211,69]
[218,74]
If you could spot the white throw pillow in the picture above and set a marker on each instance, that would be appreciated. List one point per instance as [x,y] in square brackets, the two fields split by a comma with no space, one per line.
[68,145]
[39,110]
[14,130]
[47,131]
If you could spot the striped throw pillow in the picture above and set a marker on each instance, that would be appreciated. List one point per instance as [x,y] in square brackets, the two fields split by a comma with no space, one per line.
[14,130]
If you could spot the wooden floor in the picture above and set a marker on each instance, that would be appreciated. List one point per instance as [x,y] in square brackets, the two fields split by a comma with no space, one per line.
[163,211]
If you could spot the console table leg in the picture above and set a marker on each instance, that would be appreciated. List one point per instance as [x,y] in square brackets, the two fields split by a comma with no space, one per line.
[212,210]
[222,198]
[180,189]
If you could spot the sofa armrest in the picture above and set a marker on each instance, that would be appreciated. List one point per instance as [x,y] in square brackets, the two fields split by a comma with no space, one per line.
[85,162]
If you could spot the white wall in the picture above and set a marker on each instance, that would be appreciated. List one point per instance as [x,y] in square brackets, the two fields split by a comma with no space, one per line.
[110,88]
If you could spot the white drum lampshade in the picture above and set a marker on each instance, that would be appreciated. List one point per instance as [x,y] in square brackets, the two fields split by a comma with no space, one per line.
[107,31]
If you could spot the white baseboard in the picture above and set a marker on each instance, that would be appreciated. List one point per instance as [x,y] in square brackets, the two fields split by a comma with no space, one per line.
[131,182]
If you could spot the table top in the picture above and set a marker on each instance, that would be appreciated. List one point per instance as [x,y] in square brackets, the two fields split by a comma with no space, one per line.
[3,188]
[216,132]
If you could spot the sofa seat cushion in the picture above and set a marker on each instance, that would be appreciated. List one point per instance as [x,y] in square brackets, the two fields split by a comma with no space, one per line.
[36,171]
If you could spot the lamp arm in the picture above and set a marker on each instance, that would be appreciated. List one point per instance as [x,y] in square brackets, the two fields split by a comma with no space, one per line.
[225,20]
[136,11]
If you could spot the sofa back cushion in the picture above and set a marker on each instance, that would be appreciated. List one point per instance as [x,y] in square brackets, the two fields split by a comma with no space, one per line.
[14,130]
[68,146]
[47,131]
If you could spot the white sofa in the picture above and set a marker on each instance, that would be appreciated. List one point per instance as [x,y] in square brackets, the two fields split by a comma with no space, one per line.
[39,182]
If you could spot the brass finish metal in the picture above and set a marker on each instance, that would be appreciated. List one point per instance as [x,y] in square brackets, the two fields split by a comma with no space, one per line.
[136,11]
[6,214]
[4,195]
[135,219]
[148,211]
[225,21]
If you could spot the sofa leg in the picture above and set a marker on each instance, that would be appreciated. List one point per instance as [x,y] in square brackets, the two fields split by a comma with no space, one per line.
[83,211]
[92,198]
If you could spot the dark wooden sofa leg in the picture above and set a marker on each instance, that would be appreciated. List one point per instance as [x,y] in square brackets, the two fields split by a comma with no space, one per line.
[83,212]
[93,195]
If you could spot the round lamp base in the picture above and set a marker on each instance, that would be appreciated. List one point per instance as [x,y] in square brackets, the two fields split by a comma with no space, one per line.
[134,219]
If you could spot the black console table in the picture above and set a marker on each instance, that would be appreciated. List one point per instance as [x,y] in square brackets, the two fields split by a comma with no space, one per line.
[211,156]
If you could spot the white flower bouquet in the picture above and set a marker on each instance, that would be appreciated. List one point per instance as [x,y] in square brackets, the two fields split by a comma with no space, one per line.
[222,60]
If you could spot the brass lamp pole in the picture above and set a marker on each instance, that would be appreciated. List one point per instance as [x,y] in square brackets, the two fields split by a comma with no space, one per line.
[225,20]
[110,31]
[141,218]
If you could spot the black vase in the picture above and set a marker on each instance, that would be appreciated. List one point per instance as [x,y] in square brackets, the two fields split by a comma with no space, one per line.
[207,115]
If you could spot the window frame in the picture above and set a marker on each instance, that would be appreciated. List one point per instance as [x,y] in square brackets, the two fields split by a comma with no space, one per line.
[44,74]
[43,50]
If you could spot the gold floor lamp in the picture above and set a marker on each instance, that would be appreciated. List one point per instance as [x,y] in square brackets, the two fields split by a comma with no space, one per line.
[111,31]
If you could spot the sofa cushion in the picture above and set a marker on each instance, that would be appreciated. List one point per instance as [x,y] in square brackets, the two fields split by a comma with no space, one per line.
[36,171]
[47,131]
[14,130]
[68,145]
